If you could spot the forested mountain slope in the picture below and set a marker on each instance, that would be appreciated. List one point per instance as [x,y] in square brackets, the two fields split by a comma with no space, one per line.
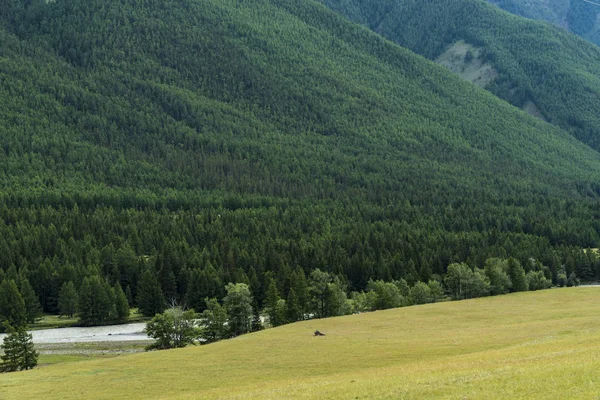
[578,16]
[222,140]
[537,67]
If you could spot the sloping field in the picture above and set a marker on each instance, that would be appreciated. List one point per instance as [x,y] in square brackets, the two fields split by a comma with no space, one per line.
[530,345]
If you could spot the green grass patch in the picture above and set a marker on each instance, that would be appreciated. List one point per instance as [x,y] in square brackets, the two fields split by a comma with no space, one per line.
[525,345]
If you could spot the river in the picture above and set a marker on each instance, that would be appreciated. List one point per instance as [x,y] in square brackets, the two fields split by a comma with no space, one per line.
[110,333]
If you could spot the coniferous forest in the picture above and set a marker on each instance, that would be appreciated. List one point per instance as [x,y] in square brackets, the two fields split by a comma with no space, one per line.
[536,63]
[158,150]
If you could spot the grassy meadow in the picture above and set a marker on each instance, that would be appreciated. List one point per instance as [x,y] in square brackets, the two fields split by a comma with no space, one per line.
[526,345]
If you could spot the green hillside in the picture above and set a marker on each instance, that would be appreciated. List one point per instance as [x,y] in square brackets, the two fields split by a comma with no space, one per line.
[255,137]
[578,16]
[530,345]
[538,67]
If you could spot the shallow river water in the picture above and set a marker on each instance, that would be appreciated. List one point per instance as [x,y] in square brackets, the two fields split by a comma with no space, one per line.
[111,333]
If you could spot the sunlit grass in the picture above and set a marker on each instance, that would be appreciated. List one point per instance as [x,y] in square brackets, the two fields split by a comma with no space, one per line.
[528,345]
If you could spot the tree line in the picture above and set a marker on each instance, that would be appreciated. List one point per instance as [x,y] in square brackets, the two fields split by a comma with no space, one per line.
[322,295]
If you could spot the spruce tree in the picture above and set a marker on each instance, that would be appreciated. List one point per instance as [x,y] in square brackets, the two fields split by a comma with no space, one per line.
[10,347]
[168,282]
[19,352]
[300,286]
[121,304]
[211,283]
[87,314]
[96,301]
[516,273]
[68,299]
[293,312]
[33,309]
[150,298]
[271,303]
[194,297]
[129,296]
[12,305]
[255,286]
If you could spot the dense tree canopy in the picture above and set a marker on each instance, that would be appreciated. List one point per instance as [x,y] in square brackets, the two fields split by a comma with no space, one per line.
[171,148]
[538,65]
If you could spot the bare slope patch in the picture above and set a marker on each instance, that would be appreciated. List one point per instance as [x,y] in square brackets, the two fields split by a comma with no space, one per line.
[530,108]
[467,62]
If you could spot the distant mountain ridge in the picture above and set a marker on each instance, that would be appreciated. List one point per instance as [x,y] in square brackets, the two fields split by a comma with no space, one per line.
[577,16]
[543,69]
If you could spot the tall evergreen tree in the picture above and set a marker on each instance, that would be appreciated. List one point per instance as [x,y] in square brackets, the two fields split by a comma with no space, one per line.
[195,295]
[129,296]
[121,304]
[257,324]
[300,286]
[12,305]
[272,304]
[150,298]
[319,282]
[96,301]
[167,281]
[19,352]
[33,309]
[293,311]
[517,276]
[68,299]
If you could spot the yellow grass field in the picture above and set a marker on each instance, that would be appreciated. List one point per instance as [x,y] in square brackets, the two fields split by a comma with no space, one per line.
[542,345]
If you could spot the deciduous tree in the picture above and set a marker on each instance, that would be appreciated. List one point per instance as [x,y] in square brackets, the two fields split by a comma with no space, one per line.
[238,303]
[172,329]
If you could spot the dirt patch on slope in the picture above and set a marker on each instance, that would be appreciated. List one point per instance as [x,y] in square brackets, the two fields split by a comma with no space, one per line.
[530,108]
[467,62]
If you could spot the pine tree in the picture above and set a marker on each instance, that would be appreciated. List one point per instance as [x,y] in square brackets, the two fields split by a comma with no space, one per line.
[129,296]
[12,305]
[10,347]
[255,286]
[29,356]
[150,298]
[211,283]
[87,314]
[194,297]
[19,352]
[68,299]
[168,282]
[516,273]
[293,312]
[300,286]
[33,309]
[96,301]
[271,303]
[121,304]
